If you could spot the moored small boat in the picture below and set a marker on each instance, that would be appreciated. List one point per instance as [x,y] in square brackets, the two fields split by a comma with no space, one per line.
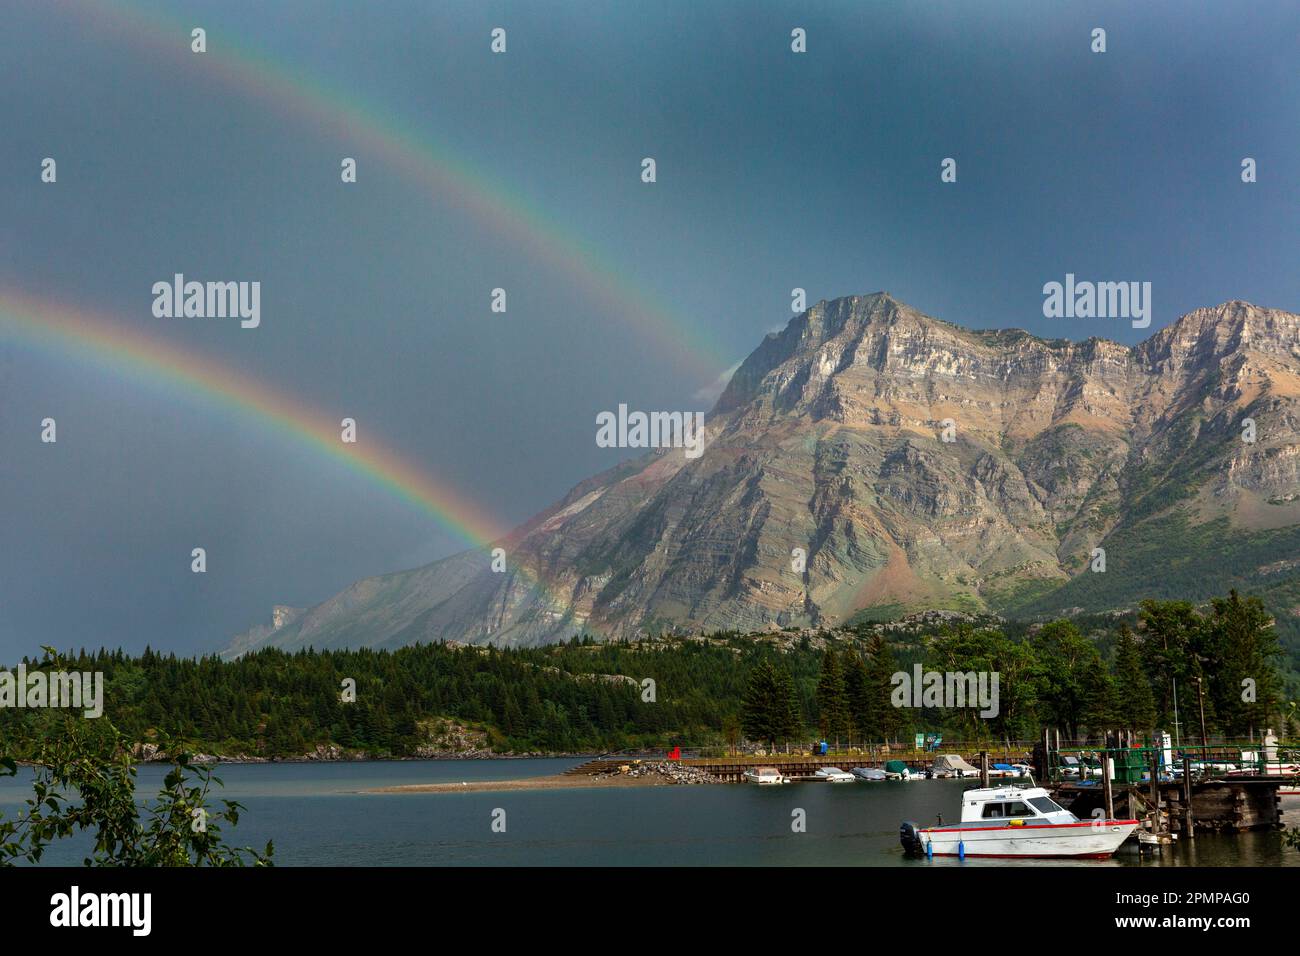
[869,774]
[764,776]
[1016,822]
[1010,770]
[834,775]
[952,765]
[897,770]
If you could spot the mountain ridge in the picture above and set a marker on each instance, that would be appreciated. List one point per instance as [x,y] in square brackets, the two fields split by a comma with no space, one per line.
[829,438]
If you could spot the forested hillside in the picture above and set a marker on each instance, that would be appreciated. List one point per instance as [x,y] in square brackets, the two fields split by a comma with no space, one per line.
[1083,676]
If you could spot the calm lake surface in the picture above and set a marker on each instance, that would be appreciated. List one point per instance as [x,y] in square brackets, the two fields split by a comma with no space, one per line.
[317,817]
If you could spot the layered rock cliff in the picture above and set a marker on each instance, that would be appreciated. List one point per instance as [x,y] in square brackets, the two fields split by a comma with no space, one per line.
[915,464]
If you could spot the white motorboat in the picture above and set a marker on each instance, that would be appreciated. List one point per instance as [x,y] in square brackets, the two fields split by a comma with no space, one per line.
[834,775]
[1272,768]
[1017,822]
[898,770]
[947,766]
[870,774]
[1290,771]
[765,776]
[1011,770]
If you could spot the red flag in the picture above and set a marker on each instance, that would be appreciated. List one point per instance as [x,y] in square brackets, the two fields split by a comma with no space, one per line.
[675,754]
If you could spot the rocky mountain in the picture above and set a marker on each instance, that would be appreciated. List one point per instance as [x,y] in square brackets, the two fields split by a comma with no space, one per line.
[915,464]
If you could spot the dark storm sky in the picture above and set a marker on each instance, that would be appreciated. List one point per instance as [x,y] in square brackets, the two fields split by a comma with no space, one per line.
[775,170]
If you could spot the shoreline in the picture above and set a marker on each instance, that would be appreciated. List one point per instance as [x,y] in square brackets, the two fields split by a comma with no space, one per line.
[662,774]
[549,782]
[243,759]
[207,759]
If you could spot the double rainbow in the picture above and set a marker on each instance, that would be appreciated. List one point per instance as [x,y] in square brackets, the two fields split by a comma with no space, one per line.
[69,332]
[375,132]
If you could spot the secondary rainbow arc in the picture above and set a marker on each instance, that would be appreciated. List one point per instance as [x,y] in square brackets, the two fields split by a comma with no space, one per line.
[67,331]
[434,166]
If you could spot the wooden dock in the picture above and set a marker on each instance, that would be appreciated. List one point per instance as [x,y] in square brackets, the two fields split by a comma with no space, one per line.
[794,766]
[1222,804]
[729,770]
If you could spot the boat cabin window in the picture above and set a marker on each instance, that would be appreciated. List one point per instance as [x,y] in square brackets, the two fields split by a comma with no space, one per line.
[999,811]
[1045,805]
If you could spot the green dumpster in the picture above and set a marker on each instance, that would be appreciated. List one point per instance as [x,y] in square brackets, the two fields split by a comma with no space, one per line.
[1130,766]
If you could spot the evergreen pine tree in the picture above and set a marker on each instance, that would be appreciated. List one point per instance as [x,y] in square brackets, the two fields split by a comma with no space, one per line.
[881,720]
[857,691]
[832,700]
[769,712]
[1100,699]
[1135,705]
[1243,687]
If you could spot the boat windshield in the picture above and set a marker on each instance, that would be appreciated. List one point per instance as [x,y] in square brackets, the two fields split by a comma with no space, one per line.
[1044,805]
[997,811]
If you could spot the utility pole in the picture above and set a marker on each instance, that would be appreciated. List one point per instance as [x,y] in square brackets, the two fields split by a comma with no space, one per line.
[1175,680]
[1200,696]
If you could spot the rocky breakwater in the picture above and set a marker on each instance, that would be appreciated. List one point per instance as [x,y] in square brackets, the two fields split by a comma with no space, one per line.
[669,770]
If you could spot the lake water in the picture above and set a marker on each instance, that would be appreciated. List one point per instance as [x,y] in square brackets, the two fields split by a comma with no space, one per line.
[316,816]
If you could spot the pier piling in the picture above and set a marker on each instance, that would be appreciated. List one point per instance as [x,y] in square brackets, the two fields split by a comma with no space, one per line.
[1107,786]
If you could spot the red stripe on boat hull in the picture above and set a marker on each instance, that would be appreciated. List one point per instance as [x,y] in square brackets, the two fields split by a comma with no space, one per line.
[1035,856]
[1032,826]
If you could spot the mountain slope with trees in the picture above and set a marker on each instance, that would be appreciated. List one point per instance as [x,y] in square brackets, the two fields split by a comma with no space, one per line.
[1083,676]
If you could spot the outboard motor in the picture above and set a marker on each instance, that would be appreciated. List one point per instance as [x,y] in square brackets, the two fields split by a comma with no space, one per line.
[910,836]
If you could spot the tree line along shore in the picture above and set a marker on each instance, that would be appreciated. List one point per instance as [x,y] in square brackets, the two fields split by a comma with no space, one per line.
[1083,675]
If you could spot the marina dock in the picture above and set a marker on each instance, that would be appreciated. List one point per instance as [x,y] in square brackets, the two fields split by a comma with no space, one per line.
[1226,804]
[800,766]
[1215,803]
